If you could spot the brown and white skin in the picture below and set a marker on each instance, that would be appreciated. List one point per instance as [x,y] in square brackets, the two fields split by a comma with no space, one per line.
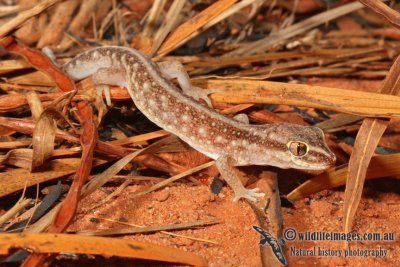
[230,142]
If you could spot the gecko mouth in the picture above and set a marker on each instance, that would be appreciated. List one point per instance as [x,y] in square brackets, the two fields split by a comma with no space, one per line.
[317,162]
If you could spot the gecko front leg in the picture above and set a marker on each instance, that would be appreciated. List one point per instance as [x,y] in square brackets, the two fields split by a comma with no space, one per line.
[227,170]
[175,70]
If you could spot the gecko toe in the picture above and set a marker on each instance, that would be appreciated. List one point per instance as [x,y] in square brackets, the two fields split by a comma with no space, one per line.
[249,194]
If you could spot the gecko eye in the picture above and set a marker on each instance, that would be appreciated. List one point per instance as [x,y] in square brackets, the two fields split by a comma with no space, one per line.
[297,148]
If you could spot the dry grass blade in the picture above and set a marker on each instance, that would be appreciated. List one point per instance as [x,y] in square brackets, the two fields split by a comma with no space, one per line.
[35,105]
[169,22]
[56,243]
[140,138]
[14,101]
[390,14]
[13,64]
[17,157]
[380,166]
[150,229]
[114,194]
[43,137]
[338,121]
[102,178]
[366,141]
[154,14]
[22,203]
[33,78]
[163,232]
[51,170]
[360,103]
[9,10]
[195,23]
[174,178]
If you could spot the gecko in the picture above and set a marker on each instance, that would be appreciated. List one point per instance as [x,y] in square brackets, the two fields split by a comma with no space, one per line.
[231,142]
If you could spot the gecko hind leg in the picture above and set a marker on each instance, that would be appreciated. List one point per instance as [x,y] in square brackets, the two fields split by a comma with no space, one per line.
[175,70]
[227,170]
[104,77]
[243,118]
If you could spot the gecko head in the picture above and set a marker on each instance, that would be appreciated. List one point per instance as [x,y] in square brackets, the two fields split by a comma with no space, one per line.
[306,148]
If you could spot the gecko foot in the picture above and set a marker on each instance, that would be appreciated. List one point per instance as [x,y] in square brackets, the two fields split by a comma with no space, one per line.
[249,194]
